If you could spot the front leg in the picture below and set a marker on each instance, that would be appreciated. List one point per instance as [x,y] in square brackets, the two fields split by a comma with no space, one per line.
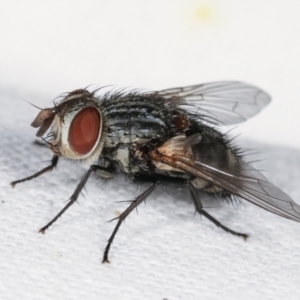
[54,162]
[93,168]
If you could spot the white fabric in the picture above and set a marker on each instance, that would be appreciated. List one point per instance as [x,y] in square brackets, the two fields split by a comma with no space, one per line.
[163,252]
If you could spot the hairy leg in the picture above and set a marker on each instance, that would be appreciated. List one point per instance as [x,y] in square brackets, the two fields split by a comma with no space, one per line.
[201,211]
[123,216]
[54,162]
[74,196]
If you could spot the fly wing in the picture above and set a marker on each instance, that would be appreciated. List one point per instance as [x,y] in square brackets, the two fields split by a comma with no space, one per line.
[221,103]
[248,183]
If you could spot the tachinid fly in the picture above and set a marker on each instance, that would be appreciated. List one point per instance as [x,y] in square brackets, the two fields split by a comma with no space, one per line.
[167,137]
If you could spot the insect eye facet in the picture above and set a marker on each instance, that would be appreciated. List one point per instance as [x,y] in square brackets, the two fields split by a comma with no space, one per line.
[84,130]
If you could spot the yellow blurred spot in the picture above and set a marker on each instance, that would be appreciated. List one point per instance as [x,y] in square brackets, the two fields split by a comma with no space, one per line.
[203,13]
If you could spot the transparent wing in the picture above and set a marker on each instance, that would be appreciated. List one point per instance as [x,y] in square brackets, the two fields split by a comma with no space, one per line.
[248,184]
[223,102]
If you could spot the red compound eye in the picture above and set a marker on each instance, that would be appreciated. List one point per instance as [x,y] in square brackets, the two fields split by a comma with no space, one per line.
[84,130]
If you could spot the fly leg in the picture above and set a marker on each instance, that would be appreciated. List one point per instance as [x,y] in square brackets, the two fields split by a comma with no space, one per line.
[47,169]
[123,216]
[40,144]
[201,211]
[74,196]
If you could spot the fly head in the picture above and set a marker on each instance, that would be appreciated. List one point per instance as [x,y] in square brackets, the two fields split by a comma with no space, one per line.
[77,123]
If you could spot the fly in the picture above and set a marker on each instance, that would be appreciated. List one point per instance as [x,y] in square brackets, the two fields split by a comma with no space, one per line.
[167,137]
